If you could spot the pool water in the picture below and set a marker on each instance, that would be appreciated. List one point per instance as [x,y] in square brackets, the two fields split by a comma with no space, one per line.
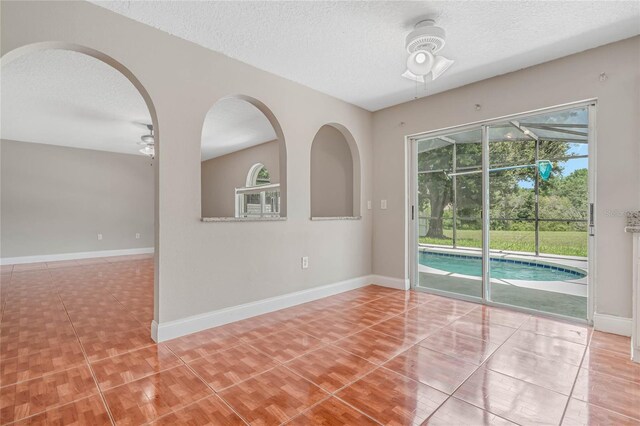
[500,268]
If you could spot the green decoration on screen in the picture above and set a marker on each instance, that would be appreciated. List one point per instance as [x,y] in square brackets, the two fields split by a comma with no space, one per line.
[544,168]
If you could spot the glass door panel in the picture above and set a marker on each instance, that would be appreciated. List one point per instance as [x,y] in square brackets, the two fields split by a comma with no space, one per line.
[449,206]
[538,220]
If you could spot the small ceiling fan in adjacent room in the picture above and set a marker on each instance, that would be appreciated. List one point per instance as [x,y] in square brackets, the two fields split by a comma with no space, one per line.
[423,44]
[148,142]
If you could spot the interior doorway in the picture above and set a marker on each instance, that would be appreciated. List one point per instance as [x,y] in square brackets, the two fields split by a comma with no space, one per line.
[79,181]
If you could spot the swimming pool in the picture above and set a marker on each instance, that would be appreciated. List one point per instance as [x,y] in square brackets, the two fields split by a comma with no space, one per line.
[514,269]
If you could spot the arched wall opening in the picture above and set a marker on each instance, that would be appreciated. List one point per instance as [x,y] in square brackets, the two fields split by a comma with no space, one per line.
[68,156]
[335,173]
[242,138]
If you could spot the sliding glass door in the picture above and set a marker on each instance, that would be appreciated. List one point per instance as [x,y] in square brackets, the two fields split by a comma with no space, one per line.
[512,229]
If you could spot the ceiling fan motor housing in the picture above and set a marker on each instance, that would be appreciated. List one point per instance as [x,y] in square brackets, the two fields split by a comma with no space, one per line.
[425,36]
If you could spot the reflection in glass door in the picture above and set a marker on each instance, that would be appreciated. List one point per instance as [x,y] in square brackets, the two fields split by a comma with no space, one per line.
[535,182]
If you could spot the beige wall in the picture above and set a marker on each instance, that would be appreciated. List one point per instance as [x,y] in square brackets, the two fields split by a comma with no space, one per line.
[331,174]
[222,175]
[200,266]
[565,80]
[56,200]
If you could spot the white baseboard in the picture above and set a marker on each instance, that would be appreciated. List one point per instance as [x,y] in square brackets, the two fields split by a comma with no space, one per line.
[73,256]
[612,324]
[397,283]
[172,329]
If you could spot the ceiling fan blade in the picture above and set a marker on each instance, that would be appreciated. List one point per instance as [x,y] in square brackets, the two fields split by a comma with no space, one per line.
[142,124]
[411,76]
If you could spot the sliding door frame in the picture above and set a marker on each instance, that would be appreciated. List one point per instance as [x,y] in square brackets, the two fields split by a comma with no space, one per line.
[484,125]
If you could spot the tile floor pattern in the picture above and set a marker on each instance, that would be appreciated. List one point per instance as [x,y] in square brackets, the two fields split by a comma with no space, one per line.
[75,349]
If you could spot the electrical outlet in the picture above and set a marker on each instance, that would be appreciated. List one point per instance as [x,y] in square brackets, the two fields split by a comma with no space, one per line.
[369,205]
[383,204]
[305,262]
[99,236]
[137,235]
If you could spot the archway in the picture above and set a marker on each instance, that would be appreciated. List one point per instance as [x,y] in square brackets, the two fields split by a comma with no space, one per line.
[71,254]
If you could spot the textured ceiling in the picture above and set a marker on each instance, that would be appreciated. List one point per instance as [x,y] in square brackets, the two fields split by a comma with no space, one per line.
[354,50]
[351,50]
[66,98]
[231,125]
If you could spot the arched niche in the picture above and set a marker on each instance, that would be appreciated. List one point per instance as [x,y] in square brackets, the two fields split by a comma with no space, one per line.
[335,173]
[242,141]
[14,54]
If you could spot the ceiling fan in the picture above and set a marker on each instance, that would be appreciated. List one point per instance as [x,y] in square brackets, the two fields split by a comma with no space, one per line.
[148,142]
[422,44]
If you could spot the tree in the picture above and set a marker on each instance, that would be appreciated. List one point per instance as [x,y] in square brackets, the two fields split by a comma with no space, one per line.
[511,190]
[434,189]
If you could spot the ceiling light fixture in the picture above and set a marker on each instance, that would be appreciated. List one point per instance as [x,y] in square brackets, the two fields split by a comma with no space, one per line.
[420,62]
[422,44]
[148,150]
[440,65]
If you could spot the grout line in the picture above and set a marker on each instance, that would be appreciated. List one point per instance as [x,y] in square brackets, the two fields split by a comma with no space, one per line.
[30,416]
[214,393]
[207,385]
[474,372]
[283,364]
[139,378]
[327,399]
[377,366]
[575,379]
[356,408]
[597,372]
[54,285]
[173,412]
[62,370]
[50,280]
[86,358]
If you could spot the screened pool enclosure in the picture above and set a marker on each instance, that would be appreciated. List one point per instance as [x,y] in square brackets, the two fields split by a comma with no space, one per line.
[529,177]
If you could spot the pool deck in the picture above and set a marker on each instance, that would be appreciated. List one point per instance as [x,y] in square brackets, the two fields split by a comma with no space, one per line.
[572,287]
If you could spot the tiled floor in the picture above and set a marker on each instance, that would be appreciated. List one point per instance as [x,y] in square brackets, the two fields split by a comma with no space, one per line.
[75,349]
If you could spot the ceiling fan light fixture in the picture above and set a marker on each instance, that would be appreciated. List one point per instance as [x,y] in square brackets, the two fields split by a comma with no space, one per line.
[423,43]
[440,65]
[420,62]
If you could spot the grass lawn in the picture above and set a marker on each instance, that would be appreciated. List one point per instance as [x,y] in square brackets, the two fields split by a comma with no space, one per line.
[570,243]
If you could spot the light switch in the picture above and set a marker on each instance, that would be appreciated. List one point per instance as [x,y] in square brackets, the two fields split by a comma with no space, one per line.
[369,205]
[383,204]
